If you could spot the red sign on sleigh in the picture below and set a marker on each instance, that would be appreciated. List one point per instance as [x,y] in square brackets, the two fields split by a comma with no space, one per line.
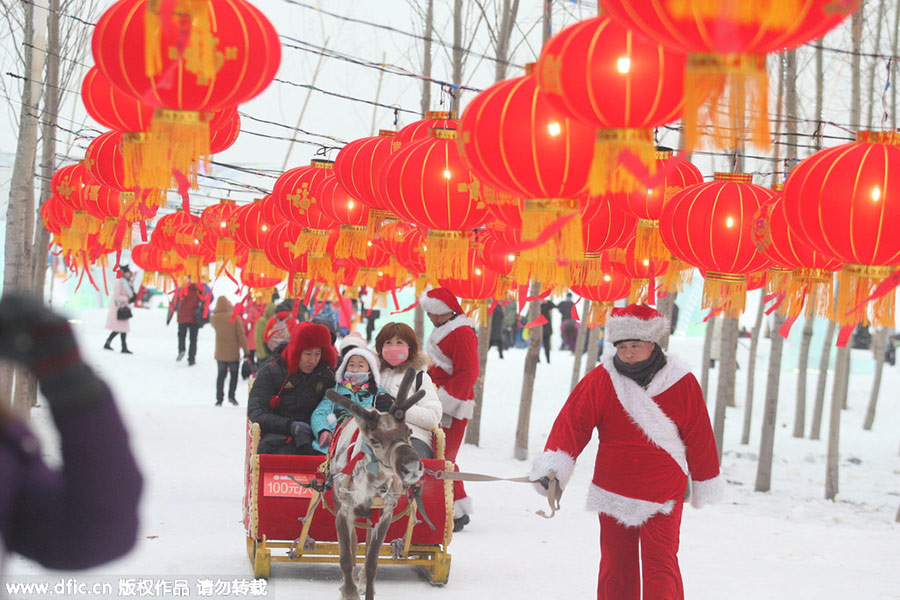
[286,485]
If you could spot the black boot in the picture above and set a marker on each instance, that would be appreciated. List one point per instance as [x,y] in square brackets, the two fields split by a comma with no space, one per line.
[125,349]
[108,344]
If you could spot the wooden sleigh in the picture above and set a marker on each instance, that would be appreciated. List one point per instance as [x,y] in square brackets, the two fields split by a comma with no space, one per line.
[287,522]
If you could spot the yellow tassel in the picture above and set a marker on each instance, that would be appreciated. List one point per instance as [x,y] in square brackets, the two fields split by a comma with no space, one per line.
[134,146]
[152,39]
[812,288]
[366,277]
[726,292]
[774,14]
[447,254]
[855,285]
[677,277]
[352,242]
[778,280]
[598,313]
[540,213]
[224,255]
[421,283]
[477,310]
[318,266]
[587,271]
[545,269]
[313,240]
[648,243]
[179,140]
[108,232]
[378,218]
[726,98]
[607,174]
[640,289]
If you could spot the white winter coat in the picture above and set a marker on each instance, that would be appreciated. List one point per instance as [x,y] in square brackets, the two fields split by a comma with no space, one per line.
[426,414]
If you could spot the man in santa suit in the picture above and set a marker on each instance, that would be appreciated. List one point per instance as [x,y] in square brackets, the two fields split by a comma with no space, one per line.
[654,434]
[453,349]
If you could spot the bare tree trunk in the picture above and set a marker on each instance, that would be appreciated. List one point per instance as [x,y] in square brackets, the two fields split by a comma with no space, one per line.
[897,518]
[419,322]
[426,61]
[473,429]
[707,350]
[818,407]
[802,364]
[666,306]
[725,389]
[834,424]
[372,130]
[579,345]
[531,361]
[593,349]
[880,343]
[767,440]
[458,53]
[507,23]
[820,92]
[874,64]
[751,369]
[855,66]
[548,20]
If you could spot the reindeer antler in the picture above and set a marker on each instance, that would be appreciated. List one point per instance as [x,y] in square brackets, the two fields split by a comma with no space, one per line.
[355,409]
[404,400]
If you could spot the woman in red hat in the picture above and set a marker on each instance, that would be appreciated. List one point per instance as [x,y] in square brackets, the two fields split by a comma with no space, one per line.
[654,435]
[289,387]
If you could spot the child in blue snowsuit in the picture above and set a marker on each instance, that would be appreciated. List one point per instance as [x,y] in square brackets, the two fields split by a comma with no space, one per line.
[358,379]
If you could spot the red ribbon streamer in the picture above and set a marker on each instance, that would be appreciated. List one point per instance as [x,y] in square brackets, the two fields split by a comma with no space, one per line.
[541,320]
[779,299]
[394,297]
[574,313]
[786,327]
[541,297]
[183,186]
[407,309]
[889,283]
[493,306]
[546,234]
[711,314]
[844,335]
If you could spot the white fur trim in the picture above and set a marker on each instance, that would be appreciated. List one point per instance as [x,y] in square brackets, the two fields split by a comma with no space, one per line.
[434,306]
[463,506]
[707,492]
[454,407]
[437,336]
[553,460]
[374,366]
[633,328]
[630,512]
[645,413]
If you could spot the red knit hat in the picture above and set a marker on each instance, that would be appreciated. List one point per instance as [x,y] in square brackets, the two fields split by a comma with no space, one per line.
[635,322]
[308,335]
[440,301]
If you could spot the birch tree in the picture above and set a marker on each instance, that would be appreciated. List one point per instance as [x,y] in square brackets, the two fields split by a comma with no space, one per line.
[532,356]
[579,345]
[821,382]
[725,386]
[707,350]
[751,369]
[880,342]
[767,438]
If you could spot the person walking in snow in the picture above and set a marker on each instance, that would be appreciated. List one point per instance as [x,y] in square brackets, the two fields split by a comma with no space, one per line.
[358,379]
[84,513]
[453,350]
[191,306]
[231,339]
[123,295]
[288,389]
[654,434]
[398,348]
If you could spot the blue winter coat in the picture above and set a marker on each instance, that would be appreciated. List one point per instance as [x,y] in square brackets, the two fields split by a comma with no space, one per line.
[324,417]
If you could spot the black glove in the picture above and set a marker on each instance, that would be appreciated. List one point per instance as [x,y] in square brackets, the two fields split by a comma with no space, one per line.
[301,432]
[383,402]
[132,299]
[42,340]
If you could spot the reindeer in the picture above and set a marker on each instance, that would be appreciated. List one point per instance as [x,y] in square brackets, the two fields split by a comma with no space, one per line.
[388,469]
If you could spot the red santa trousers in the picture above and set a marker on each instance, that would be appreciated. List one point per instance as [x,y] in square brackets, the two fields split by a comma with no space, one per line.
[453,437]
[621,573]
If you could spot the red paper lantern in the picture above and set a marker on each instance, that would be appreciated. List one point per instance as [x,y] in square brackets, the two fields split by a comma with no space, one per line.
[69,183]
[224,128]
[294,195]
[358,167]
[282,250]
[112,108]
[641,271]
[612,285]
[419,130]
[603,74]
[710,226]
[337,204]
[55,215]
[428,183]
[604,226]
[410,252]
[252,227]
[255,280]
[103,159]
[195,246]
[475,290]
[849,204]
[729,41]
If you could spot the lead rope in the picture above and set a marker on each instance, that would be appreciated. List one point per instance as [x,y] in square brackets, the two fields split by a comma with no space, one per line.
[554,492]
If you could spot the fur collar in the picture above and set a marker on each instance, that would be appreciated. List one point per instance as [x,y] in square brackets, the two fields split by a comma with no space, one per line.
[645,413]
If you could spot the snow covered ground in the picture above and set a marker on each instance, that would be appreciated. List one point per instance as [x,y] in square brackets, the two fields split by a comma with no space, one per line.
[787,543]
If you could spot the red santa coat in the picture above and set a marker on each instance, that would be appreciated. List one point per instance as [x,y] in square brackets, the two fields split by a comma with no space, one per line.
[453,349]
[651,441]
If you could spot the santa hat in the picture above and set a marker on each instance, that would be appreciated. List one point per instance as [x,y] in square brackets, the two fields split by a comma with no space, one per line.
[440,301]
[366,354]
[636,322]
[308,335]
[352,340]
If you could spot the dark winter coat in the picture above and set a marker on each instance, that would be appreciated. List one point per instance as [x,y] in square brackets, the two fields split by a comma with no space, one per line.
[547,311]
[497,324]
[300,395]
[84,515]
[189,302]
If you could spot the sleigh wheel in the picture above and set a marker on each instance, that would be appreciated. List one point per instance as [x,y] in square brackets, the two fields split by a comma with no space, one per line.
[261,559]
[438,573]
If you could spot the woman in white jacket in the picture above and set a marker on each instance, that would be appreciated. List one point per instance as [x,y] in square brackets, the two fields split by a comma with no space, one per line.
[398,349]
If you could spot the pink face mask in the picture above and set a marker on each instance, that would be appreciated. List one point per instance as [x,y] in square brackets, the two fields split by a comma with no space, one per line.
[395,355]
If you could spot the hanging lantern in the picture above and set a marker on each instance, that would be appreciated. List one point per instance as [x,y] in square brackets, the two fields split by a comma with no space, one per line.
[710,226]
[293,193]
[282,251]
[358,167]
[195,249]
[428,183]
[104,204]
[497,257]
[612,285]
[844,202]
[181,85]
[726,87]
[110,107]
[337,204]
[55,216]
[370,266]
[70,184]
[603,74]
[224,128]
[218,222]
[476,290]
[516,142]
[603,226]
[419,130]
[641,272]
[251,230]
